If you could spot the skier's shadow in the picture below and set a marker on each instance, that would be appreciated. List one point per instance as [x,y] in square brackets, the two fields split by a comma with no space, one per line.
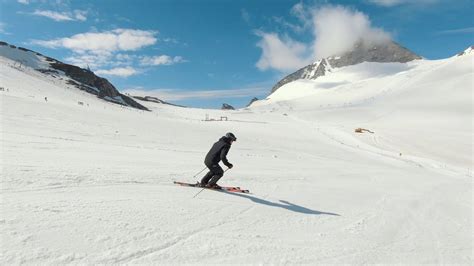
[284,204]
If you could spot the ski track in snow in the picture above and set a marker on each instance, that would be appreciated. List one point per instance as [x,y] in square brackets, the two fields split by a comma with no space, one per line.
[93,184]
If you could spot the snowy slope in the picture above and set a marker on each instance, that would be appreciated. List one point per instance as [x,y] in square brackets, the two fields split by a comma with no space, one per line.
[336,79]
[92,183]
[422,108]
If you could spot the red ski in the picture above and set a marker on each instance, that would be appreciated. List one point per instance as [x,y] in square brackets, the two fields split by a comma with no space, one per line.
[229,189]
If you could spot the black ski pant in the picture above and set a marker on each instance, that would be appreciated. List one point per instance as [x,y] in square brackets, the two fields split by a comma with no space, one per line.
[215,173]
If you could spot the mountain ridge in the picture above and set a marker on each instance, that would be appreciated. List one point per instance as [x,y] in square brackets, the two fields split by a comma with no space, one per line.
[83,79]
[362,52]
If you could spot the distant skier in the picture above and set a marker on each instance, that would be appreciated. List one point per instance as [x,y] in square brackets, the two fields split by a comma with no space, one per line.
[217,153]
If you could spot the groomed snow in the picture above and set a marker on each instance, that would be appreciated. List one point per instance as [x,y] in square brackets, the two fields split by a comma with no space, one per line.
[92,183]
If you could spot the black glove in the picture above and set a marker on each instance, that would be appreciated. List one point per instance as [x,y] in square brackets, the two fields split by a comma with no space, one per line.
[230,165]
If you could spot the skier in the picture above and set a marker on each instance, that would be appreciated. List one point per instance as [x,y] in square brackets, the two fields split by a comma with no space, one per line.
[217,153]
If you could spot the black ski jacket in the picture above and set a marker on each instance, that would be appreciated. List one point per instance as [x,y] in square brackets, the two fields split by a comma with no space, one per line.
[218,152]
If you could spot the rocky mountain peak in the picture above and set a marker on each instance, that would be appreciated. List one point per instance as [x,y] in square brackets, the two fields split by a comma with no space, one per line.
[226,106]
[361,52]
[254,99]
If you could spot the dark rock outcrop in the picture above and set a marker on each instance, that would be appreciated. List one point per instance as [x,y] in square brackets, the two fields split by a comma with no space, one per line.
[155,100]
[88,81]
[87,78]
[227,107]
[312,71]
[252,101]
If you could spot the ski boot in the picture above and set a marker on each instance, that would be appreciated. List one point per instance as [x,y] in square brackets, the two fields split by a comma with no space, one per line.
[213,186]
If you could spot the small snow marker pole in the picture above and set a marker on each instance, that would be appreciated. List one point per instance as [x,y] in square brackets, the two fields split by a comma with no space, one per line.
[204,188]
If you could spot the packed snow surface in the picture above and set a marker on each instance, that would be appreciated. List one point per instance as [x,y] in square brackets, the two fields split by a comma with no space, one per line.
[92,182]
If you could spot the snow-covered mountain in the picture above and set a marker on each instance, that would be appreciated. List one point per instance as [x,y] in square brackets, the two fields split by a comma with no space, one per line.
[362,52]
[380,93]
[469,50]
[71,75]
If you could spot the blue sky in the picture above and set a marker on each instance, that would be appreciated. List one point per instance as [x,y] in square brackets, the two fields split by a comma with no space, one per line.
[205,53]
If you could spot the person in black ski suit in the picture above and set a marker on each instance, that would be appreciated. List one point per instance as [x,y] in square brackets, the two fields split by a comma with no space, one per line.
[217,153]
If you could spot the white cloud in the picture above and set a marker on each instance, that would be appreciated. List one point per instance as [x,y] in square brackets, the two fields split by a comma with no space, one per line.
[106,52]
[245,15]
[103,42]
[390,3]
[124,60]
[80,15]
[100,61]
[282,55]
[89,60]
[457,31]
[25,2]
[161,60]
[119,71]
[303,13]
[53,15]
[77,15]
[335,29]
[387,2]
[130,40]
[178,95]
[292,26]
[171,40]
[2,28]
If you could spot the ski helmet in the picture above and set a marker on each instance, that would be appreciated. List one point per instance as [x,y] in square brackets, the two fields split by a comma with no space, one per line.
[231,136]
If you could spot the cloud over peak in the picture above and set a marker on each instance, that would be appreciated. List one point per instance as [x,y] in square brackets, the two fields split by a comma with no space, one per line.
[281,54]
[334,30]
